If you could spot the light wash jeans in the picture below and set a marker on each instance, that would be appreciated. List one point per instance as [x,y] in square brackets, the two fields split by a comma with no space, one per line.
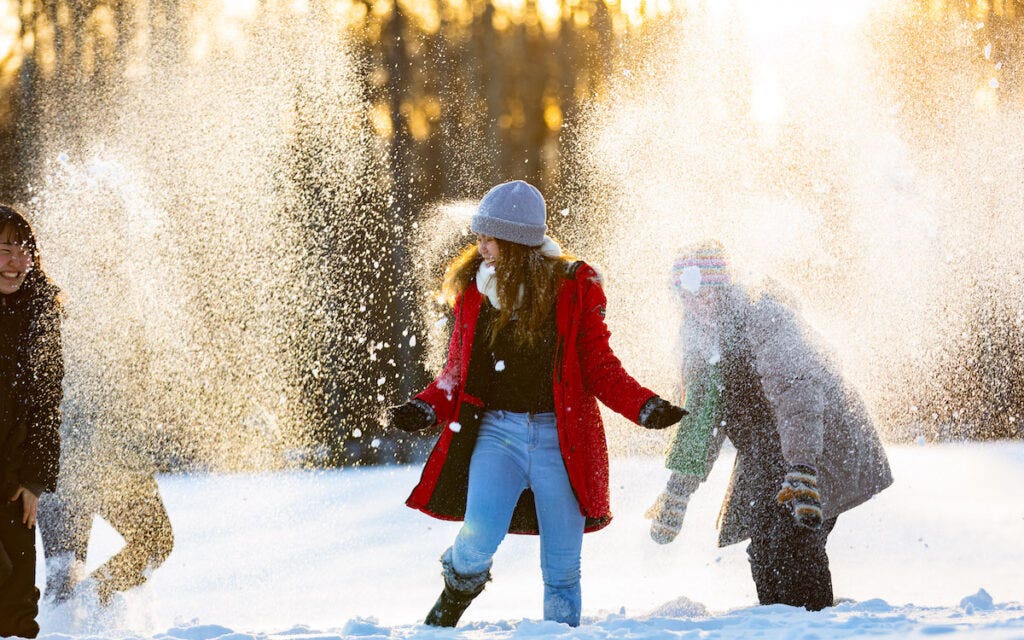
[515,451]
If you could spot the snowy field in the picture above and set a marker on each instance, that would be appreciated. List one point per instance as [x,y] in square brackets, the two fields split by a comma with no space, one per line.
[336,554]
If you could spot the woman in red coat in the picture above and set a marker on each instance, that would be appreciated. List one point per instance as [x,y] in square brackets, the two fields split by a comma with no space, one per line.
[522,448]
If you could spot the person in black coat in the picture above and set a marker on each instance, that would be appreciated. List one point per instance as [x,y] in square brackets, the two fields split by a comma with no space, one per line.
[31,375]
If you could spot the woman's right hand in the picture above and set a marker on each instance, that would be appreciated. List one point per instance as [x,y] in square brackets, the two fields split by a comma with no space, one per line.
[29,506]
[409,417]
[660,414]
[666,514]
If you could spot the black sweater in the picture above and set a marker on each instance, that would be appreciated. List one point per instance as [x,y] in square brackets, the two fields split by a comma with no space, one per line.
[31,377]
[510,377]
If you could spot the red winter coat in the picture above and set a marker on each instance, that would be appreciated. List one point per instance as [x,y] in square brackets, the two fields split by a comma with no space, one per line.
[585,370]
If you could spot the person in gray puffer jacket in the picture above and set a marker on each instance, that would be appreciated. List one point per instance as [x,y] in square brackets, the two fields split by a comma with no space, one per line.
[806,447]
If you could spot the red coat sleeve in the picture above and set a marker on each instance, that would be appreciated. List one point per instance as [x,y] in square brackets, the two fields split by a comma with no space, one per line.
[442,394]
[603,373]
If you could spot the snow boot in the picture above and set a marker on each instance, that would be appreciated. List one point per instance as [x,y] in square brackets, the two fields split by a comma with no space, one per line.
[450,606]
[459,591]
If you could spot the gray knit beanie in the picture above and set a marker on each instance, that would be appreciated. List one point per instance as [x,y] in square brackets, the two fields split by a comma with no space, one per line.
[512,211]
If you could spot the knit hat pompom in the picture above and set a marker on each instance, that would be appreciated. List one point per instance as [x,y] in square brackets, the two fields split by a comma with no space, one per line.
[700,265]
[513,211]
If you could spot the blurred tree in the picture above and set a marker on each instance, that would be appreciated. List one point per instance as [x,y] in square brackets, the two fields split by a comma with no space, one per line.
[462,94]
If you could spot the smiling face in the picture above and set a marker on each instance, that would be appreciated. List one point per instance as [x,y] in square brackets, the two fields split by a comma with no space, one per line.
[15,261]
[488,248]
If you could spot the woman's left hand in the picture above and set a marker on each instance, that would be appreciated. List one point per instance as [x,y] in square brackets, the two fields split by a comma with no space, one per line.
[30,506]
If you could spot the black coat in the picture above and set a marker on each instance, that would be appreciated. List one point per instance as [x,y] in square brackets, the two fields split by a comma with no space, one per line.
[31,377]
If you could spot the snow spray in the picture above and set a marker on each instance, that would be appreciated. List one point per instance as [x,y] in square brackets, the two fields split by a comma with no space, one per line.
[185,215]
[859,153]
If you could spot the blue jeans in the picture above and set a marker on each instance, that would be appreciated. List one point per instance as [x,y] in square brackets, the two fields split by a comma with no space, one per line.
[516,451]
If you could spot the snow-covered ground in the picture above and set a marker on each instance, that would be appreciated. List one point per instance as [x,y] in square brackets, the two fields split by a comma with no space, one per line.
[337,554]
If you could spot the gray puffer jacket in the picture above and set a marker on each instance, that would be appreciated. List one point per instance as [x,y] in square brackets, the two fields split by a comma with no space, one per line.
[781,401]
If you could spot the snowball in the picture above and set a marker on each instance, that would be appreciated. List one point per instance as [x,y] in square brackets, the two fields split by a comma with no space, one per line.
[380,381]
[689,279]
[357,432]
[499,365]
[455,427]
[375,443]
[681,607]
[412,341]
[359,626]
[980,601]
[874,605]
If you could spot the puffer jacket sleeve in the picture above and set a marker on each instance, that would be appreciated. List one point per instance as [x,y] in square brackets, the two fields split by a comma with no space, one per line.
[442,393]
[41,448]
[791,374]
[603,373]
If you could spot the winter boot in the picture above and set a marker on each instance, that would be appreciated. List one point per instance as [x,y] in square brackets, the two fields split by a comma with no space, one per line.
[459,591]
[18,617]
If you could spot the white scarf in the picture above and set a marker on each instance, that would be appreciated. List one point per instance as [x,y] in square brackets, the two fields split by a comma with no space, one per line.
[487,283]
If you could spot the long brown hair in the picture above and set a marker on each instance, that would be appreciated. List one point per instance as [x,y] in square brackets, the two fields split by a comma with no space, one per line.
[518,268]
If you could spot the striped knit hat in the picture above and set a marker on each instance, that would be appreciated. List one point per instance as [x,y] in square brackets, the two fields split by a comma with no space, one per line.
[701,265]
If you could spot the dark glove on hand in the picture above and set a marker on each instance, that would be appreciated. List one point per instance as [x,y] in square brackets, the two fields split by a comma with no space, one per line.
[660,414]
[408,417]
[799,493]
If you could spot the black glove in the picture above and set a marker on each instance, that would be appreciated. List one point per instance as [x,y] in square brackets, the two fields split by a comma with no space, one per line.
[660,414]
[409,417]
[799,493]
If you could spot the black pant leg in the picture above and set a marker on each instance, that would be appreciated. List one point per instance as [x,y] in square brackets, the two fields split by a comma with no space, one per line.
[19,597]
[788,562]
